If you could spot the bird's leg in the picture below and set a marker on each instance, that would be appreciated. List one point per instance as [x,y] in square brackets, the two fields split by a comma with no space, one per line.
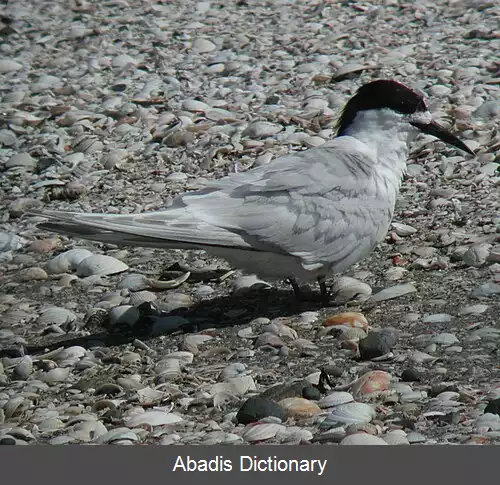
[296,288]
[325,294]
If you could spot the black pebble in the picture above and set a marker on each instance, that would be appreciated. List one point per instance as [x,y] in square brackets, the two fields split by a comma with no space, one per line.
[411,375]
[256,408]
[311,392]
[493,407]
[376,344]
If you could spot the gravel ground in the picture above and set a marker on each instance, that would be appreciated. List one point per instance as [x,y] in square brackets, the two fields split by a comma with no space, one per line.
[117,106]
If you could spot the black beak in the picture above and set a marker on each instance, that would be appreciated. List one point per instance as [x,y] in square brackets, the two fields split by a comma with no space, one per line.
[440,132]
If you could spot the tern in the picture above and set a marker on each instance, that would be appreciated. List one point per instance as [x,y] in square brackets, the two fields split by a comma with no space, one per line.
[305,216]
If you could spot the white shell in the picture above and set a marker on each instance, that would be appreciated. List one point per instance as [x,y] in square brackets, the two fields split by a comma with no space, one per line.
[153,418]
[23,368]
[56,316]
[67,261]
[232,370]
[100,264]
[352,412]
[335,398]
[347,288]
[10,241]
[396,437]
[261,432]
[124,314]
[362,439]
[169,368]
[237,386]
[141,297]
[184,356]
[115,435]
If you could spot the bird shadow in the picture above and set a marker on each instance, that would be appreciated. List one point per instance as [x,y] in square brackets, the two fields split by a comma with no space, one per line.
[218,312]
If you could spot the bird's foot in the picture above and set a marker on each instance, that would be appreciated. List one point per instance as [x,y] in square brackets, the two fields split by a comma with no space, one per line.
[300,295]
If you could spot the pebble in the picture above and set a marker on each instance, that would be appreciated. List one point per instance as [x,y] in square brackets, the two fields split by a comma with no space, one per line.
[256,408]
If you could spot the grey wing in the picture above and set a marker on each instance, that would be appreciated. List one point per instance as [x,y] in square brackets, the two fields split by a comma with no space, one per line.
[323,206]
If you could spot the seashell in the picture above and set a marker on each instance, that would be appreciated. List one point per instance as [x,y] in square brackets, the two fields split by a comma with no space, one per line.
[55,375]
[359,439]
[140,297]
[183,356]
[100,264]
[69,260]
[232,370]
[124,314]
[281,330]
[348,70]
[15,406]
[334,399]
[351,412]
[261,431]
[56,316]
[298,407]
[393,292]
[372,381]
[347,288]
[117,434]
[23,369]
[148,395]
[351,319]
[10,241]
[261,129]
[237,386]
[87,431]
[396,437]
[153,418]
[168,368]
[403,229]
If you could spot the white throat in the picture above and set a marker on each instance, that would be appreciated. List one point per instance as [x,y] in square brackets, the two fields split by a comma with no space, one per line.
[386,134]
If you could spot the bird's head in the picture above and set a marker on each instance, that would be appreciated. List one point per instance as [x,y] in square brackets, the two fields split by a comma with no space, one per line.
[397,103]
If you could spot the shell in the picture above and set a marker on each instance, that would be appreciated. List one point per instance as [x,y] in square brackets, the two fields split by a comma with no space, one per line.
[334,399]
[362,439]
[347,288]
[115,435]
[15,405]
[396,437]
[232,370]
[126,314]
[372,381]
[237,386]
[23,369]
[56,316]
[168,368]
[351,319]
[100,264]
[10,241]
[153,418]
[69,260]
[351,412]
[261,431]
[297,407]
[141,297]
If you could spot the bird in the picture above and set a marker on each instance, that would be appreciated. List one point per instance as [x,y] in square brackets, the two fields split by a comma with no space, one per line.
[307,215]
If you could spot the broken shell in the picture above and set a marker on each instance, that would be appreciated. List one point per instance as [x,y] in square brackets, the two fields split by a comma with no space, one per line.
[335,398]
[69,260]
[298,407]
[10,241]
[15,406]
[168,368]
[56,316]
[352,319]
[100,264]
